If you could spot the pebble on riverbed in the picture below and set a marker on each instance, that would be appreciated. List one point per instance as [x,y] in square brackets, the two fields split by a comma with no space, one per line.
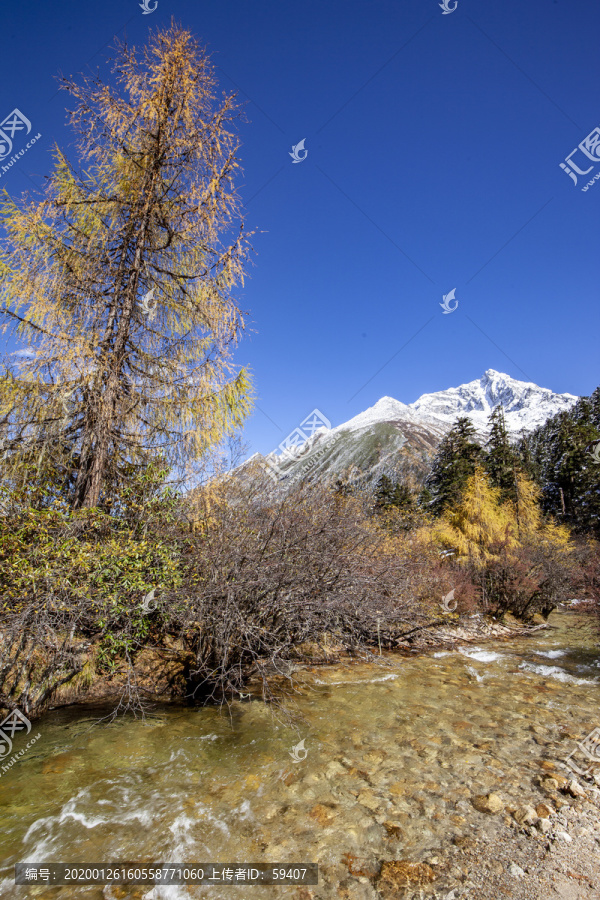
[575,789]
[544,825]
[516,871]
[488,803]
[525,815]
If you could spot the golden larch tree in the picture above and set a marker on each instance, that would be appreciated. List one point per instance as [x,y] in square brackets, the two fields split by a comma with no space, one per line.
[119,281]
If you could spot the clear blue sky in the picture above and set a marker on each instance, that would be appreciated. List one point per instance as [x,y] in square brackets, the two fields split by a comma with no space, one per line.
[434,144]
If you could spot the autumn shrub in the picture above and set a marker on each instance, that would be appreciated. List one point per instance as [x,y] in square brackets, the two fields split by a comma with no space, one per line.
[519,561]
[70,580]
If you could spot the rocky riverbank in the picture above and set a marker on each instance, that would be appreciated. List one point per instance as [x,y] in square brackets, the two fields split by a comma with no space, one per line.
[161,674]
[439,771]
[548,853]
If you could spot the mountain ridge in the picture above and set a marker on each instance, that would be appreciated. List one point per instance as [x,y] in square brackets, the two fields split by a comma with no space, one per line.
[397,437]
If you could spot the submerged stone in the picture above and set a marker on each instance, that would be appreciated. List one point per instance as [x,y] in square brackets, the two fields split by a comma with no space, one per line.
[488,803]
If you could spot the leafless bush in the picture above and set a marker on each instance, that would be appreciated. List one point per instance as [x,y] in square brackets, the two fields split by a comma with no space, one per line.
[533,578]
[271,575]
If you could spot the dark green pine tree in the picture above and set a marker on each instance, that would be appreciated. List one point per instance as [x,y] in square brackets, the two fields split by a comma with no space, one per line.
[388,494]
[452,467]
[500,460]
[397,496]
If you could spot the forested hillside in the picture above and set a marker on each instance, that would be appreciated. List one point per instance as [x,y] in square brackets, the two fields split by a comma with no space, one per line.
[563,457]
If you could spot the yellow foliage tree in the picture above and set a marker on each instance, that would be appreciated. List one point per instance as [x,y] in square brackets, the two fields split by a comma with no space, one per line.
[481,527]
[119,283]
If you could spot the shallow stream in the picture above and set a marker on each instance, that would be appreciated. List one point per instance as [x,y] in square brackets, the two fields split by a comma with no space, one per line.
[389,758]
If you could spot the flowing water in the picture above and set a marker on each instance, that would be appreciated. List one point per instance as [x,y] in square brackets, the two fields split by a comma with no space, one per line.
[389,758]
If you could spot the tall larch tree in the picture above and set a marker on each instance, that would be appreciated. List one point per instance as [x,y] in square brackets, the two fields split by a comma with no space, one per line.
[119,282]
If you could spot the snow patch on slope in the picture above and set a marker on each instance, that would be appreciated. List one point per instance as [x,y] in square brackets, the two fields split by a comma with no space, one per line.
[385,410]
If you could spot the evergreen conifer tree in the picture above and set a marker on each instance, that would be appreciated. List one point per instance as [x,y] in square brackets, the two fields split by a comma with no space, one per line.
[556,455]
[501,460]
[452,467]
[383,492]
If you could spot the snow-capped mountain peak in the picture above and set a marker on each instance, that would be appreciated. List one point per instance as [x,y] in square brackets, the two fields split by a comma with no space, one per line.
[526,405]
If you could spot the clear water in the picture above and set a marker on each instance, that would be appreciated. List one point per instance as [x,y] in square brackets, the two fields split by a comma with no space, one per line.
[406,744]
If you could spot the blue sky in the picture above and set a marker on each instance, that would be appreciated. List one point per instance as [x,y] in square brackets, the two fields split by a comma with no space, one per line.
[434,144]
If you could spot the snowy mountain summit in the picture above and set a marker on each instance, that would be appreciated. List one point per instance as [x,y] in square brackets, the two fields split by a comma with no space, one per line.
[526,406]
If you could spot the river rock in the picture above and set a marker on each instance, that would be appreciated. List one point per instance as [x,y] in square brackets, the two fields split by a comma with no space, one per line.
[271,812]
[525,815]
[464,841]
[575,789]
[543,810]
[544,825]
[537,729]
[368,799]
[488,803]
[394,830]
[549,784]
[516,871]
[375,757]
[564,836]
[322,814]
